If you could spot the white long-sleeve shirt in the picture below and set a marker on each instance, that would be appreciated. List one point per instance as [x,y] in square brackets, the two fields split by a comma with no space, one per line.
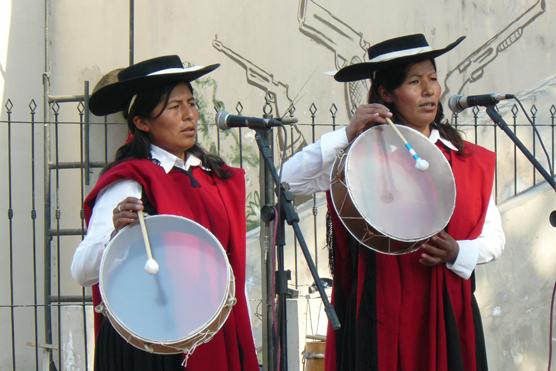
[86,259]
[308,172]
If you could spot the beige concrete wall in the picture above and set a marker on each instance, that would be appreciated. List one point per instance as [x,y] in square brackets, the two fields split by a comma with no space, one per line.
[281,49]
[514,292]
[21,66]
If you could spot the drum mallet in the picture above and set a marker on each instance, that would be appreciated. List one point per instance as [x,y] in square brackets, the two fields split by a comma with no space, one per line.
[420,163]
[151,266]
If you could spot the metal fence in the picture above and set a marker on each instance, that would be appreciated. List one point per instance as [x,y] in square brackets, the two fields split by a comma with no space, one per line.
[47,166]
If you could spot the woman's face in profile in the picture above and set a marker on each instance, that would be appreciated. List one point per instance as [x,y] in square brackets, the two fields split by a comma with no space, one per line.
[175,128]
[416,99]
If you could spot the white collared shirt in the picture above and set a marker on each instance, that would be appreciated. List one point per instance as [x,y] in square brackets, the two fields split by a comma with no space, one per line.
[86,259]
[308,172]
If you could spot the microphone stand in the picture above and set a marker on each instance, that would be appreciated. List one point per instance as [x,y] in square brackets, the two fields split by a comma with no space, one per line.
[288,214]
[498,120]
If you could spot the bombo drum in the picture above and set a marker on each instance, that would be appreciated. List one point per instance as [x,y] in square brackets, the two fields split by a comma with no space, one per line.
[313,355]
[382,199]
[180,307]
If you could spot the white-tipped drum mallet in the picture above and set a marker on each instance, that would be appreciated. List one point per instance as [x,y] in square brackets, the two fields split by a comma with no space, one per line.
[151,266]
[420,163]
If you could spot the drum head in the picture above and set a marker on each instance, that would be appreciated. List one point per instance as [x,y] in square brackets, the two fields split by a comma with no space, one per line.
[391,195]
[183,298]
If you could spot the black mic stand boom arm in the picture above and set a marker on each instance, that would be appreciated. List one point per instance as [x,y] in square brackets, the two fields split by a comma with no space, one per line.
[498,120]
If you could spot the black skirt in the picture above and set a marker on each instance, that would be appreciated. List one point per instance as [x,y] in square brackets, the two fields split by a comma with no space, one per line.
[113,353]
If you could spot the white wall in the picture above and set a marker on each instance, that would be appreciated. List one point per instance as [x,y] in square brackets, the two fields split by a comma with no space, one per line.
[283,48]
[514,292]
[21,67]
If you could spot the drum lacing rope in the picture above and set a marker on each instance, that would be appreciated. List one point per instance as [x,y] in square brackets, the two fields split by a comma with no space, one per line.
[231,302]
[205,338]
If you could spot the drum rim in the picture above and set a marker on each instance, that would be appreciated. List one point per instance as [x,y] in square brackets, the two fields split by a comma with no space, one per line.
[224,300]
[347,153]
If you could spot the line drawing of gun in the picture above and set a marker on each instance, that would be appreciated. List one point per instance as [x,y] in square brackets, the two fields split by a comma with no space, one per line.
[258,77]
[347,44]
[275,91]
[472,68]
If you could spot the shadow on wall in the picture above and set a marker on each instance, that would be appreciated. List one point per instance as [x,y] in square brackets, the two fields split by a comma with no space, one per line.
[514,292]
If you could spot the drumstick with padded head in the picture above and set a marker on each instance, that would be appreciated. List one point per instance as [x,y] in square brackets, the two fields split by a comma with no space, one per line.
[420,163]
[151,266]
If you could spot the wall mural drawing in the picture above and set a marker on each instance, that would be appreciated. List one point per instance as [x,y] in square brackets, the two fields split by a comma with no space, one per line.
[347,44]
[472,68]
[257,76]
[276,92]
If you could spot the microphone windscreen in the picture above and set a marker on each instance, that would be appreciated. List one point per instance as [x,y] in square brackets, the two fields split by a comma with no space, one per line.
[454,103]
[220,119]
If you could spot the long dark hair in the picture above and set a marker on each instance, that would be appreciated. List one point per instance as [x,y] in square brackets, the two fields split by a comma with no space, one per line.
[140,144]
[391,78]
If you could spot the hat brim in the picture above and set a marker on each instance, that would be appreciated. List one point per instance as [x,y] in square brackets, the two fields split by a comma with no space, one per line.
[362,71]
[116,97]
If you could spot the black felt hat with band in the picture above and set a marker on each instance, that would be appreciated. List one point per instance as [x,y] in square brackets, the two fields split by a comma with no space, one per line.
[131,80]
[400,50]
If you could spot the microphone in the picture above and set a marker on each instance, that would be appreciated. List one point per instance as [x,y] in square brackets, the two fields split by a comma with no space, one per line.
[226,121]
[458,103]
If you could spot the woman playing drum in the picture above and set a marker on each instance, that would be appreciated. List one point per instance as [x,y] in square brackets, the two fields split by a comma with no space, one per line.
[414,311]
[162,170]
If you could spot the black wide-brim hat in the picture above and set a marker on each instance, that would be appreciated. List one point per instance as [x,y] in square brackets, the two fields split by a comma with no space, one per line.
[392,52]
[140,76]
